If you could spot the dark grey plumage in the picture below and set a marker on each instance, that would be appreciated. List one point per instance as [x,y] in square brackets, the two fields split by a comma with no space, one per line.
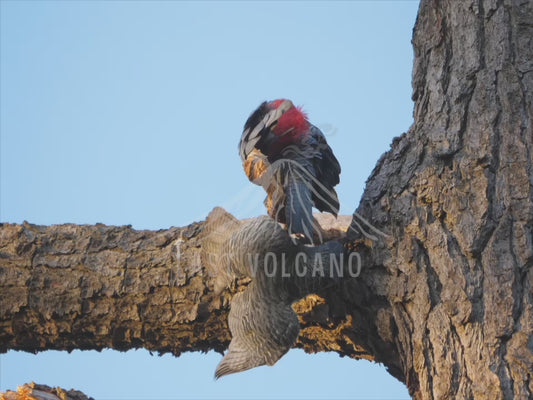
[262,329]
[261,320]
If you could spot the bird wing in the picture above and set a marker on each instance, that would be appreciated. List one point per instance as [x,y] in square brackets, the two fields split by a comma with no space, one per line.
[327,171]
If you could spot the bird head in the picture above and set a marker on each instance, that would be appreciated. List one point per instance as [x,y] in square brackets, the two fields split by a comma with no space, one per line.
[272,126]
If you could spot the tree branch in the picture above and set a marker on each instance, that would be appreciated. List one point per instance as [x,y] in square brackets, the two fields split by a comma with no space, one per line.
[68,287]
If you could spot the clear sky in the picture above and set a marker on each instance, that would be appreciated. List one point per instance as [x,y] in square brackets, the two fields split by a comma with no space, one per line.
[129,112]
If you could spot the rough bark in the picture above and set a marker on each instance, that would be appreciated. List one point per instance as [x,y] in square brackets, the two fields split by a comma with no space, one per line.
[445,300]
[455,194]
[68,287]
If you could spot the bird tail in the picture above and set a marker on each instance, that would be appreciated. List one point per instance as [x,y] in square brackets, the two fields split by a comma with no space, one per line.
[295,193]
[237,361]
[299,207]
[262,329]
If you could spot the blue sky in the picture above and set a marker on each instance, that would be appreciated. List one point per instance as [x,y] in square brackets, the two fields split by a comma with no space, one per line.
[129,112]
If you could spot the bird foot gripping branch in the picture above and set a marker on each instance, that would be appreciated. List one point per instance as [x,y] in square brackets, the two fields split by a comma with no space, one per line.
[287,155]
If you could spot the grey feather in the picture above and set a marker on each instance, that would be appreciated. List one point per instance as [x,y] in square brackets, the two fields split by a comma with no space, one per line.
[262,322]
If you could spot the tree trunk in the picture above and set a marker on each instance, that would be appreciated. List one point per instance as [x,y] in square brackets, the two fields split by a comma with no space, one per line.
[455,194]
[445,299]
